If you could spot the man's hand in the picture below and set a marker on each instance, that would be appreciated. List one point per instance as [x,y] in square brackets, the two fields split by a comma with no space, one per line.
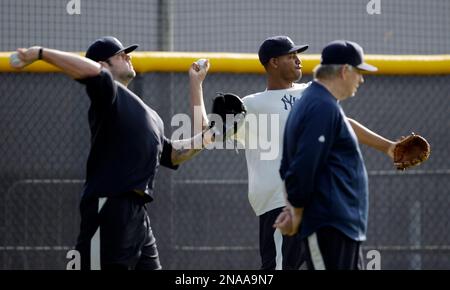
[288,221]
[26,56]
[197,73]
[284,221]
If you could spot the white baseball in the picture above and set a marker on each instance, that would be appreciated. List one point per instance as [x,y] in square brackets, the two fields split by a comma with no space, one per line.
[14,60]
[201,63]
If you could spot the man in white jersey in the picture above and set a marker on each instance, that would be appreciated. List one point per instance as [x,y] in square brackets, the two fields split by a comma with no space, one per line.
[279,56]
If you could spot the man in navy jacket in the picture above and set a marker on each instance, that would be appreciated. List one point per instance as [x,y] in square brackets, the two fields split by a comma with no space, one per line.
[322,166]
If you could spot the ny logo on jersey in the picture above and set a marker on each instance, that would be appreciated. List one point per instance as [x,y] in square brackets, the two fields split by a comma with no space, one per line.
[287,101]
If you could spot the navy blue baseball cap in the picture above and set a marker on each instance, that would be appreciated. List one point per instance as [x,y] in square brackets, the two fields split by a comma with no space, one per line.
[107,46]
[345,52]
[277,46]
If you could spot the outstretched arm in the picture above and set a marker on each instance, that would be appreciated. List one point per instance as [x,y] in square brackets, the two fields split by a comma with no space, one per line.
[370,138]
[75,66]
[197,75]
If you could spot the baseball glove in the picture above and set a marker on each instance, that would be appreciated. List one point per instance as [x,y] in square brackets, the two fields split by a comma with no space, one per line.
[228,104]
[411,151]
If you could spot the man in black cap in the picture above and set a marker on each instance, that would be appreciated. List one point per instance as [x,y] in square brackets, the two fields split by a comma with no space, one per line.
[322,166]
[127,146]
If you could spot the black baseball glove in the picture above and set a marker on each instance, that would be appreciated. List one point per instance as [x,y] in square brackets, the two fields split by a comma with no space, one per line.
[231,111]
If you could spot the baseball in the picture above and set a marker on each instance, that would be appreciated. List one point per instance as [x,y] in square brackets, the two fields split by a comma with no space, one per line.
[14,60]
[201,63]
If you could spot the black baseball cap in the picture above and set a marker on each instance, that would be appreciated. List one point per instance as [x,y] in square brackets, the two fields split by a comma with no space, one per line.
[345,52]
[275,46]
[107,46]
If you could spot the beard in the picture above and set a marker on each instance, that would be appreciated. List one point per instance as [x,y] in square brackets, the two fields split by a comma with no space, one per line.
[123,74]
[128,75]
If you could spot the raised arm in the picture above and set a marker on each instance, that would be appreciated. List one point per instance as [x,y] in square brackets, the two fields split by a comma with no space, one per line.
[75,66]
[197,75]
[372,139]
[185,149]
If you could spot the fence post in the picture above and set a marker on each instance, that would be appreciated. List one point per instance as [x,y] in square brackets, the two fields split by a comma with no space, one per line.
[165,28]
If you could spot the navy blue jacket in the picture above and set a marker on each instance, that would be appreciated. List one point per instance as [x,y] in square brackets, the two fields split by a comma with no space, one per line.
[127,141]
[322,166]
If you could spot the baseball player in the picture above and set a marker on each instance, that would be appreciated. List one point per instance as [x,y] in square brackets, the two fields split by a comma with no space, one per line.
[322,166]
[279,56]
[127,147]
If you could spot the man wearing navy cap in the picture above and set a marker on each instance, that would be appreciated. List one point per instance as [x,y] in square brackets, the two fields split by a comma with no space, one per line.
[279,56]
[322,166]
[127,147]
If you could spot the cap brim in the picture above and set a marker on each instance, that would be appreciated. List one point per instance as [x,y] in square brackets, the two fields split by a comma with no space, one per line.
[367,67]
[299,48]
[128,49]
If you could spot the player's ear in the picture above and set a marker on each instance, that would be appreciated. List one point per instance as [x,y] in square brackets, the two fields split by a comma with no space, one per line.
[104,64]
[344,70]
[273,62]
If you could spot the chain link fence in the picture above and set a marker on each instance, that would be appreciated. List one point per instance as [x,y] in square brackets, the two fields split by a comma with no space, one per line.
[201,216]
